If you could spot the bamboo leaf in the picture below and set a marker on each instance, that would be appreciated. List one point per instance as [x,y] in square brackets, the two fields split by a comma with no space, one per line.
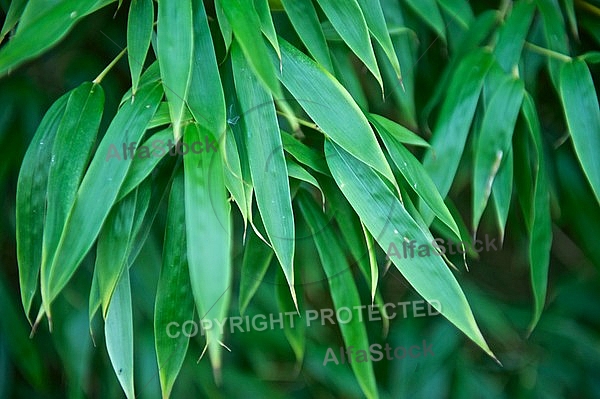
[247,29]
[267,164]
[118,330]
[12,16]
[395,130]
[31,200]
[454,122]
[429,12]
[208,234]
[304,154]
[580,102]
[43,24]
[266,22]
[175,47]
[494,140]
[97,192]
[511,36]
[343,288]
[419,181]
[206,100]
[349,21]
[305,20]
[305,80]
[139,32]
[174,299]
[113,242]
[539,221]
[389,222]
[376,23]
[71,152]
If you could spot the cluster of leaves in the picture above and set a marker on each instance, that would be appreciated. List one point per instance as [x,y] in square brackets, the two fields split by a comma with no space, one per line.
[276,87]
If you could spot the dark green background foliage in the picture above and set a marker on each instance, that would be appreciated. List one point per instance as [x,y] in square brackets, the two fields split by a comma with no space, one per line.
[342,127]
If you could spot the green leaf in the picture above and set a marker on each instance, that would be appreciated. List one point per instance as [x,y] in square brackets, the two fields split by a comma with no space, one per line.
[343,288]
[12,16]
[43,24]
[349,21]
[318,92]
[539,221]
[502,191]
[555,33]
[205,99]
[113,243]
[512,34]
[174,299]
[71,152]
[255,262]
[304,154]
[139,32]
[208,233]
[430,13]
[161,144]
[376,23]
[418,179]
[234,179]
[224,25]
[31,200]
[247,29]
[580,102]
[303,17]
[395,130]
[266,22]
[298,172]
[459,10]
[175,49]
[118,330]
[494,140]
[267,164]
[389,222]
[97,192]
[454,122]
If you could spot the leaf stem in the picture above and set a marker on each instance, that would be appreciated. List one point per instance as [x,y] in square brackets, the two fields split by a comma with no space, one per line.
[106,70]
[547,52]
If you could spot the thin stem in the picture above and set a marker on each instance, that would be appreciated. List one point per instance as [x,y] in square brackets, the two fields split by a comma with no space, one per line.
[109,67]
[548,52]
[302,121]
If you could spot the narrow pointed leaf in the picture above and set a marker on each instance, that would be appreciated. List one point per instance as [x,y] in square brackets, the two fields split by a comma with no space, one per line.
[376,23]
[113,242]
[175,47]
[208,235]
[580,102]
[343,288]
[429,12]
[31,201]
[139,32]
[267,164]
[118,331]
[494,141]
[349,21]
[255,262]
[418,179]
[389,222]
[397,131]
[206,100]
[511,36]
[305,20]
[174,299]
[12,16]
[70,155]
[98,191]
[454,122]
[247,30]
[319,93]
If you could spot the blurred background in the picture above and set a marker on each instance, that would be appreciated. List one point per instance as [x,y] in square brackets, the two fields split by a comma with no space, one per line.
[561,359]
